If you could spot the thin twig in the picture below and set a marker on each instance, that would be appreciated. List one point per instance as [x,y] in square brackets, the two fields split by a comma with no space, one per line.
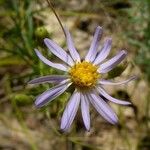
[53,9]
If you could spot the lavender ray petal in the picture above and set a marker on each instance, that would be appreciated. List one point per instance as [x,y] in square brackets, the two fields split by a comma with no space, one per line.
[70,111]
[73,52]
[104,52]
[110,64]
[94,45]
[109,82]
[49,63]
[49,79]
[112,99]
[85,111]
[103,108]
[58,51]
[51,94]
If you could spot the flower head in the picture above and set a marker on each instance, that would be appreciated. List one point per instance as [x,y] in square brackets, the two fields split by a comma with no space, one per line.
[85,76]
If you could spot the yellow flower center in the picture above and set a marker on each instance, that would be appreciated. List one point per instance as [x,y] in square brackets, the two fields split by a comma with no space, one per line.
[84,74]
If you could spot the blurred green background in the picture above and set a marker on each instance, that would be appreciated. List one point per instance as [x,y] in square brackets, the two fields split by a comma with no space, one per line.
[23,26]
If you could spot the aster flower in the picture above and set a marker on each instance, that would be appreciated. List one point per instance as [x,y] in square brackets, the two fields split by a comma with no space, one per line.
[85,76]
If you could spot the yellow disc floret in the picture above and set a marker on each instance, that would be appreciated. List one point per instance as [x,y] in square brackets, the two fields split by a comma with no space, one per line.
[84,74]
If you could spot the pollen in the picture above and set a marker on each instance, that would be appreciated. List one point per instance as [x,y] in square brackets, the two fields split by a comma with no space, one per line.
[84,74]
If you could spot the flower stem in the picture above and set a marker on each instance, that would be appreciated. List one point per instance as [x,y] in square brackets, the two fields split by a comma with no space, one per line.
[56,15]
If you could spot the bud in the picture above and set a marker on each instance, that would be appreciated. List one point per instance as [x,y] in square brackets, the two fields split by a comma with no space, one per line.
[41,32]
[22,99]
